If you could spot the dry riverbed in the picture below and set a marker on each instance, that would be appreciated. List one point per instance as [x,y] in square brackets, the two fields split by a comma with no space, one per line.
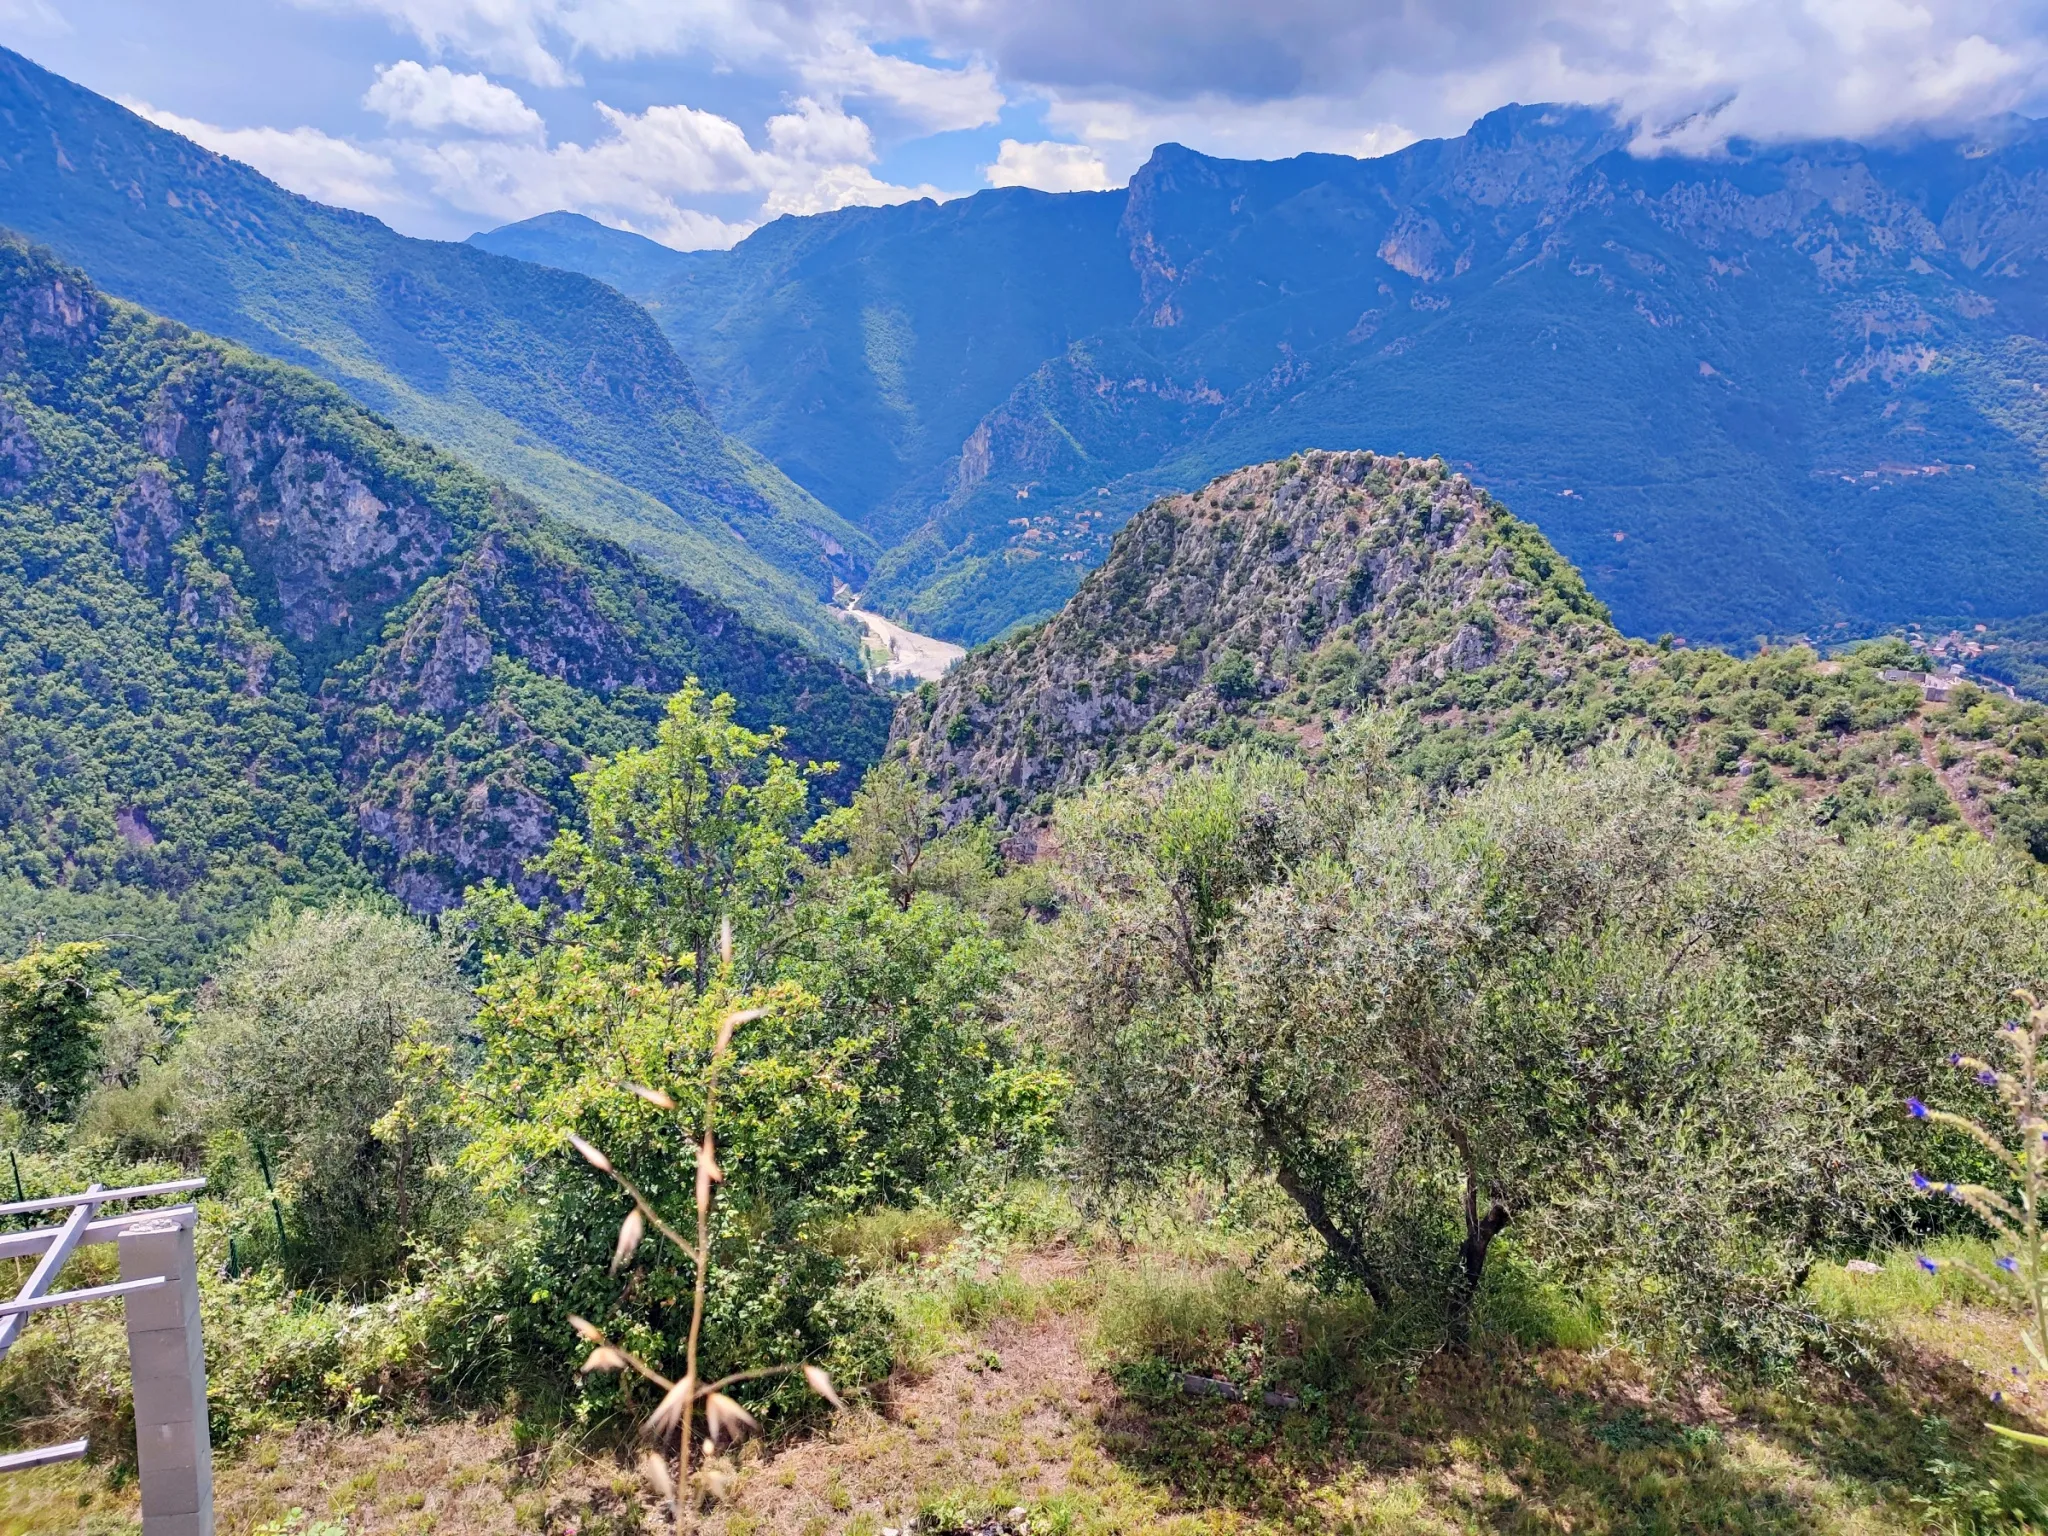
[893,651]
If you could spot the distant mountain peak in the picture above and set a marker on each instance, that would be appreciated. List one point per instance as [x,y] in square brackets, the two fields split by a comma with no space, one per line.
[1706,376]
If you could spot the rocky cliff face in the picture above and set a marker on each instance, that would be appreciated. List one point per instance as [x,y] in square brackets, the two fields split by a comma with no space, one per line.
[1389,569]
[1276,603]
[549,381]
[254,641]
[1782,389]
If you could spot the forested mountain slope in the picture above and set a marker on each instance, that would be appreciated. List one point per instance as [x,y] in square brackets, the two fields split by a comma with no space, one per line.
[542,377]
[1792,389]
[1282,599]
[253,640]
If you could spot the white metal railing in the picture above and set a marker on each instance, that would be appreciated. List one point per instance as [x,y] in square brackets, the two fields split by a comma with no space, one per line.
[159,1290]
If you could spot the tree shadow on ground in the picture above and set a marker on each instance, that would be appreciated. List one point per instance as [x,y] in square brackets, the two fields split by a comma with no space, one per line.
[1515,1440]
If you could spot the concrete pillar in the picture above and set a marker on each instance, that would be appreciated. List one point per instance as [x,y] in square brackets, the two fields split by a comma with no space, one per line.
[173,1454]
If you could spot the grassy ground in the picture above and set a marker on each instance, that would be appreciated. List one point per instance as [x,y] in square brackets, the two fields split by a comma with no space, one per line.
[1049,1379]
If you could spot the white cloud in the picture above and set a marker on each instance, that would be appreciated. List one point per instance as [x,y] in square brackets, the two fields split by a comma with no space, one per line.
[934,100]
[642,173]
[35,17]
[1049,167]
[1778,67]
[435,97]
[1124,133]
[1226,77]
[537,40]
[324,168]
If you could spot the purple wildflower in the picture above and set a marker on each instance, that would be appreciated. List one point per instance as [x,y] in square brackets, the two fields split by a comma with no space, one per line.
[1920,1181]
[1929,1265]
[1955,1058]
[2011,1266]
[1988,1078]
[1916,1109]
[1998,1397]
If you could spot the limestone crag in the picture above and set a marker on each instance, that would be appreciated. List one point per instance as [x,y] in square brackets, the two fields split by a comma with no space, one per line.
[1389,567]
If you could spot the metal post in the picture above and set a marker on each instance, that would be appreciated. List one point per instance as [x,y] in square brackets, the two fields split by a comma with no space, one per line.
[276,1210]
[173,1452]
[160,1287]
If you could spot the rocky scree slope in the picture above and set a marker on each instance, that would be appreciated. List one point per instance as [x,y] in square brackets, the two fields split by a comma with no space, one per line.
[1280,599]
[253,640]
[545,378]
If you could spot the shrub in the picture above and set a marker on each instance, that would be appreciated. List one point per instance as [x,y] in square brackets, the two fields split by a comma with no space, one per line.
[319,1036]
[1234,675]
[561,1038]
[53,1005]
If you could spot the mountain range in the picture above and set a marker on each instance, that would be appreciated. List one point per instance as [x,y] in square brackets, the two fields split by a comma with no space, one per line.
[1787,389]
[328,557]
[541,377]
[256,642]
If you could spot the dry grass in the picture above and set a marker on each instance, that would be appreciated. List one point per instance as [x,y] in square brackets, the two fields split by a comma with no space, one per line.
[1039,1390]
[465,1478]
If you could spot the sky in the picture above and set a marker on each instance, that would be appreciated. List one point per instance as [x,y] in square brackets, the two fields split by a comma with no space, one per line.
[695,121]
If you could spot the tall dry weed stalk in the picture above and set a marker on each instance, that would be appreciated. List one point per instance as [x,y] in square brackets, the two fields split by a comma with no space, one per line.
[2017,1224]
[726,1423]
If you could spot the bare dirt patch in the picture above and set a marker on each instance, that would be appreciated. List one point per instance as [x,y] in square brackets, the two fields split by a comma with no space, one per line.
[1003,1415]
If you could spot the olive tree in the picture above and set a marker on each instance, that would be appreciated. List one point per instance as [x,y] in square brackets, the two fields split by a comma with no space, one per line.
[1568,1003]
[321,1036]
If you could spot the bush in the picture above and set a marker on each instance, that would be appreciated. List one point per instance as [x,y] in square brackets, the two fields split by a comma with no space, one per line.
[53,1005]
[1234,676]
[321,1036]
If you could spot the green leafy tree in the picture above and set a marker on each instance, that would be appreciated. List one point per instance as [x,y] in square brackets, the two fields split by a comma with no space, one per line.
[678,837]
[944,1092]
[53,1006]
[894,831]
[318,1037]
[871,1065]
[1235,676]
[1563,1005]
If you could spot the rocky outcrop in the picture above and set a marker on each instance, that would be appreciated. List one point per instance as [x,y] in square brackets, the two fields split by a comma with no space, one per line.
[1386,566]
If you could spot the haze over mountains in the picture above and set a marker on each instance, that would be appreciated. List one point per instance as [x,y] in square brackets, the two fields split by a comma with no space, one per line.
[1794,389]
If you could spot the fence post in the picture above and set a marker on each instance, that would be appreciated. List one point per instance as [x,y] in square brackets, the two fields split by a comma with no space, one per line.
[173,1450]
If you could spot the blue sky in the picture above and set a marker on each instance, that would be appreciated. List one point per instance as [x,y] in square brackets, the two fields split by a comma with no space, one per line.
[694,122]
